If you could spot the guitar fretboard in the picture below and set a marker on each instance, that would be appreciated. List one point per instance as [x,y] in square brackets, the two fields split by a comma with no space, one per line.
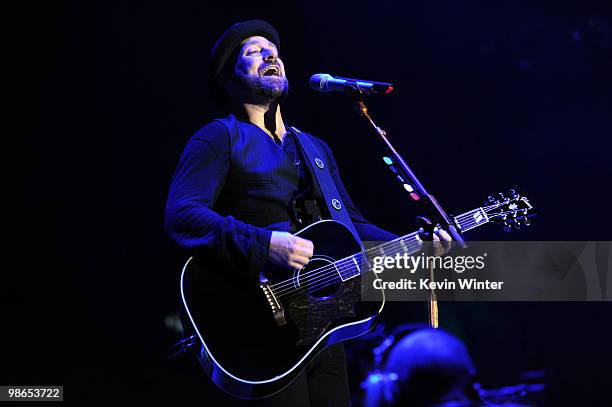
[359,263]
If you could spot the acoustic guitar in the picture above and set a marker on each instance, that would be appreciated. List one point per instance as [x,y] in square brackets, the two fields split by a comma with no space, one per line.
[256,337]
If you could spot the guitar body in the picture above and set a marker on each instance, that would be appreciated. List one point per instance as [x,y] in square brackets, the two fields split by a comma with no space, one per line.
[253,345]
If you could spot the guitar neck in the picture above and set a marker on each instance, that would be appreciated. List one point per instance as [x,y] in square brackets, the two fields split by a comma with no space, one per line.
[409,244]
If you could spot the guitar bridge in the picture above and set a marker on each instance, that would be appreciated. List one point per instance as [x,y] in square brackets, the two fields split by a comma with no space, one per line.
[277,308]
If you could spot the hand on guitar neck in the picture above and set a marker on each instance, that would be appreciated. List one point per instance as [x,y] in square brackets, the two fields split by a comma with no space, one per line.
[441,242]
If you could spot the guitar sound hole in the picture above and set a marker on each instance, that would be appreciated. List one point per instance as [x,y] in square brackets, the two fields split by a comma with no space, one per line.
[319,278]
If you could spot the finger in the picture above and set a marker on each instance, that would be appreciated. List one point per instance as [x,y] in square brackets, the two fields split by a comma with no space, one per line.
[445,239]
[304,247]
[295,266]
[301,251]
[304,251]
[301,260]
[304,243]
[437,247]
[444,236]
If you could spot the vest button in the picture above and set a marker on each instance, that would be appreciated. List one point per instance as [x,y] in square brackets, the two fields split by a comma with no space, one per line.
[319,163]
[336,204]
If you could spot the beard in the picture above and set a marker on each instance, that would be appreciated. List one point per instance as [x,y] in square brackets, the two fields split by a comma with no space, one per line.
[269,87]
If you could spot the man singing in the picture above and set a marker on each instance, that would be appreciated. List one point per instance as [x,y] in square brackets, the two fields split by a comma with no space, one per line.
[242,187]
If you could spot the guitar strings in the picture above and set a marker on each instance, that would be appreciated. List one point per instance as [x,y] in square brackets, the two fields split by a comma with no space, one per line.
[331,280]
[310,283]
[334,274]
[291,282]
[280,287]
[329,266]
[340,265]
[345,259]
[344,265]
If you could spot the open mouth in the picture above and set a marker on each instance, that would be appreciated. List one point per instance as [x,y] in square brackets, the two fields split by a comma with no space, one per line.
[271,70]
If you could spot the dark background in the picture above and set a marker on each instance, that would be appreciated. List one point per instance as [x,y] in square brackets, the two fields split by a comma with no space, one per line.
[103,95]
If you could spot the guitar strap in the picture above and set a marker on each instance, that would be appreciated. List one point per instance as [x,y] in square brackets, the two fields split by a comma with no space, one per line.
[322,179]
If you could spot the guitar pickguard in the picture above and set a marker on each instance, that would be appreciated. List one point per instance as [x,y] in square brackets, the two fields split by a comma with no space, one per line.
[315,316]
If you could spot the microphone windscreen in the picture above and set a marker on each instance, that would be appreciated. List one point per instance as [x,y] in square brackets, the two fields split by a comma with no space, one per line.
[318,82]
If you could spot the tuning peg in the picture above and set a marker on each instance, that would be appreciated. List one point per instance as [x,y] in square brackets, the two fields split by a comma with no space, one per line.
[491,200]
[513,194]
[511,225]
[527,221]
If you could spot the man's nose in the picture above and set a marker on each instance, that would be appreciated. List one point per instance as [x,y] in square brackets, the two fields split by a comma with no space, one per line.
[270,56]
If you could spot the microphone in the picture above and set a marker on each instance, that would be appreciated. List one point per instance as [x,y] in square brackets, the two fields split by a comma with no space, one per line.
[323,82]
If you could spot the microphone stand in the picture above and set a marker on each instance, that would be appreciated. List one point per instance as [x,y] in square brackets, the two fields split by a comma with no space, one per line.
[415,189]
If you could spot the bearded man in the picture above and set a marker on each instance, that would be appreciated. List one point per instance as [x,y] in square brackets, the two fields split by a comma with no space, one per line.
[243,187]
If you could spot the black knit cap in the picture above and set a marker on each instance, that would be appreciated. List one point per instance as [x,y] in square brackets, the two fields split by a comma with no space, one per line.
[225,47]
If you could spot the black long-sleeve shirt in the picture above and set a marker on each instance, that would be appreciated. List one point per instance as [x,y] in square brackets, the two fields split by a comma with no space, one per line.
[232,188]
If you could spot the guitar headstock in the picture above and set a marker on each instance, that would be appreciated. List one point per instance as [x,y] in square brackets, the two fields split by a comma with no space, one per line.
[512,210]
